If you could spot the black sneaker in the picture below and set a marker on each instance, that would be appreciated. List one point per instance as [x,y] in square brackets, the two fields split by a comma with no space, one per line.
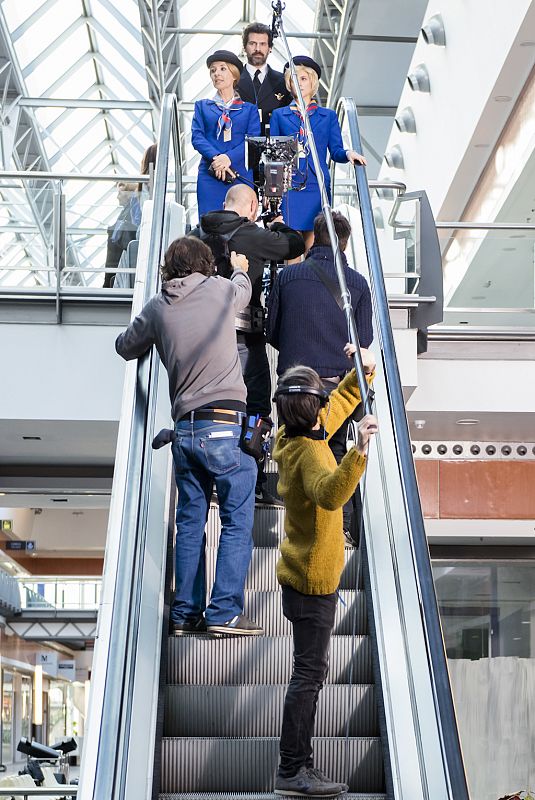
[309,782]
[263,498]
[189,627]
[240,625]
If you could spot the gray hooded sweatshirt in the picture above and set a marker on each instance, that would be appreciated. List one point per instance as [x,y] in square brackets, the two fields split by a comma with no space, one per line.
[191,322]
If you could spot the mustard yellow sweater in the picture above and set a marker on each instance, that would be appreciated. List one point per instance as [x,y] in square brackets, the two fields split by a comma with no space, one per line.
[314,489]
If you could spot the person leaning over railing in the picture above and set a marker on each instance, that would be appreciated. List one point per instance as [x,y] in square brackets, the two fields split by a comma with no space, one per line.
[300,207]
[122,232]
[218,132]
[128,259]
[191,323]
[314,489]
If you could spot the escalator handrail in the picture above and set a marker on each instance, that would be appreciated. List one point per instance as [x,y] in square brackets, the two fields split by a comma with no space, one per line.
[430,614]
[103,775]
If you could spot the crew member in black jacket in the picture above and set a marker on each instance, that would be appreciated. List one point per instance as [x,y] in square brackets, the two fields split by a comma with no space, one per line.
[235,229]
[259,83]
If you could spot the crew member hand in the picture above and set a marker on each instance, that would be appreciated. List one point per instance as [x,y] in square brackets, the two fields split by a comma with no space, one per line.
[368,358]
[355,158]
[239,261]
[221,165]
[366,428]
[277,219]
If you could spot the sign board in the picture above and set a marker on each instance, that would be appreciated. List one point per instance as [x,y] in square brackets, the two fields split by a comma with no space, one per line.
[67,670]
[49,662]
[17,544]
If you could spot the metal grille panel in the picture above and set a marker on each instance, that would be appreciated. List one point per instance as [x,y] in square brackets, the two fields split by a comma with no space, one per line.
[249,765]
[255,796]
[260,660]
[266,608]
[262,571]
[257,711]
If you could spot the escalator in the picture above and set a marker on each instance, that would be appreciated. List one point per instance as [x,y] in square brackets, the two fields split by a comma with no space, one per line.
[193,717]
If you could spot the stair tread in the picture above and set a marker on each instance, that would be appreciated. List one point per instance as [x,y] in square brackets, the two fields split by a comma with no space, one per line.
[256,796]
[194,660]
[225,711]
[216,764]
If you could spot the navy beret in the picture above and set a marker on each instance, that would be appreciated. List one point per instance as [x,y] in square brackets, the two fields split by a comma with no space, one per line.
[227,57]
[305,61]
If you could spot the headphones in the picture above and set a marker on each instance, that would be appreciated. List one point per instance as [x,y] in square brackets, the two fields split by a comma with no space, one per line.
[321,393]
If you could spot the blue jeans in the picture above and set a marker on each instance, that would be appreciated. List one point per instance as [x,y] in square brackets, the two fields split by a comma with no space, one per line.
[205,453]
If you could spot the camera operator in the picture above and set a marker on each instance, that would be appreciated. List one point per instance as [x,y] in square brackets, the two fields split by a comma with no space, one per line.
[191,322]
[259,83]
[307,325]
[236,227]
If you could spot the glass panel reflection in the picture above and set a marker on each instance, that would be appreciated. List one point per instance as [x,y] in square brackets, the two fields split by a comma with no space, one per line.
[487,610]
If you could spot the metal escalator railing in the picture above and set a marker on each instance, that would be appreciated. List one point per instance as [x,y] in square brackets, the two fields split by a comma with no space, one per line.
[420,723]
[119,743]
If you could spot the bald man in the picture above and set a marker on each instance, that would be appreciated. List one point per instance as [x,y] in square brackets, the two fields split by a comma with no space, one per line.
[236,226]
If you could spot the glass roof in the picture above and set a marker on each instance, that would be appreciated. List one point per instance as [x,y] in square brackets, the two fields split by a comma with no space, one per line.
[93,49]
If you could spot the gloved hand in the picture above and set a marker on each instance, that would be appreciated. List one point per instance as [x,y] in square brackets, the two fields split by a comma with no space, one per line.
[166,436]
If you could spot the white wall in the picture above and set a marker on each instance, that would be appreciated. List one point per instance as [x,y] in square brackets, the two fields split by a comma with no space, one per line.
[60,372]
[482,58]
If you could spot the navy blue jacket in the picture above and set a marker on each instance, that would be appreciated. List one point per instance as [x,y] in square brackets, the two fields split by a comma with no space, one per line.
[305,323]
[245,122]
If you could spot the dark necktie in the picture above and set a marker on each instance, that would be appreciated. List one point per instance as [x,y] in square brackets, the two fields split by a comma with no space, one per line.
[256,82]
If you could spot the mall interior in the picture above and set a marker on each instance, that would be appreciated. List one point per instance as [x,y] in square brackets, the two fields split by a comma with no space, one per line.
[431,689]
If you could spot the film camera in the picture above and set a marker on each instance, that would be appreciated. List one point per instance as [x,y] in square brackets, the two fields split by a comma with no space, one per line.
[272,160]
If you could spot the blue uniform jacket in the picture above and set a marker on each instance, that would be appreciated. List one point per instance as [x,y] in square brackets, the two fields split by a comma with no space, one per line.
[327,135]
[210,191]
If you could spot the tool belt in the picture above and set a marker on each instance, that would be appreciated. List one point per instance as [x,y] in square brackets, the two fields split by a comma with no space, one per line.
[250,320]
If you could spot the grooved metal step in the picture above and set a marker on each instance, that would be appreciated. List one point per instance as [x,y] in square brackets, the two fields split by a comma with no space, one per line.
[260,660]
[262,574]
[236,711]
[268,529]
[218,765]
[265,607]
[249,796]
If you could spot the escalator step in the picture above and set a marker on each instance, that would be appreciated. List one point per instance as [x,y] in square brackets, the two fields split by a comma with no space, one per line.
[260,660]
[233,711]
[265,607]
[262,570]
[249,796]
[249,765]
[268,528]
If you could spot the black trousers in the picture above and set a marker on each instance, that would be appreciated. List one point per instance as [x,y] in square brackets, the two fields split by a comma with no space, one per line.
[312,618]
[257,378]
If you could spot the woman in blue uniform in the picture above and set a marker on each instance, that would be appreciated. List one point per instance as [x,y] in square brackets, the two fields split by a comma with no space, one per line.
[218,132]
[300,207]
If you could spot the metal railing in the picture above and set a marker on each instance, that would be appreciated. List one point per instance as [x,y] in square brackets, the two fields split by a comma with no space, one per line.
[60,593]
[419,716]
[118,756]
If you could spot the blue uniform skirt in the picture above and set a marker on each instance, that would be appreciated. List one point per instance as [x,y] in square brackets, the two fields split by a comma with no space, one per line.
[299,208]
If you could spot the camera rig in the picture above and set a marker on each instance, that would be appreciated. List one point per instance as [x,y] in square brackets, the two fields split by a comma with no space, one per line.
[272,160]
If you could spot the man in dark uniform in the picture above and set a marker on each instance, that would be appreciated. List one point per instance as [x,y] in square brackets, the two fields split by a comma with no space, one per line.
[259,84]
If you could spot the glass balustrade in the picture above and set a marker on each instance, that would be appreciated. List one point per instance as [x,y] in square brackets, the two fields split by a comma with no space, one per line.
[60,593]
